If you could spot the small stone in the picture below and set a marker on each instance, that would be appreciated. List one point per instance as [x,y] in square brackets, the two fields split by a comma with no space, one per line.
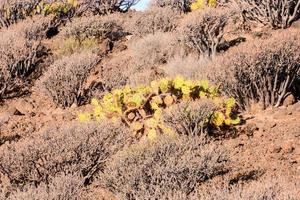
[289,100]
[274,148]
[288,147]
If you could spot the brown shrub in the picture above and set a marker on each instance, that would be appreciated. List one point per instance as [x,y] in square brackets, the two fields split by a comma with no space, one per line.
[275,188]
[80,149]
[189,118]
[180,5]
[276,14]
[21,52]
[103,7]
[116,71]
[65,78]
[203,30]
[153,50]
[100,27]
[188,66]
[263,71]
[60,187]
[155,20]
[155,170]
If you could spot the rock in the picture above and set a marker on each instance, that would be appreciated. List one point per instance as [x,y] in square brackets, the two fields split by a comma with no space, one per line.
[289,100]
[274,148]
[287,147]
[4,117]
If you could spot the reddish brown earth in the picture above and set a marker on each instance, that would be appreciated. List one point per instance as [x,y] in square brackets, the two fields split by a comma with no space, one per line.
[266,145]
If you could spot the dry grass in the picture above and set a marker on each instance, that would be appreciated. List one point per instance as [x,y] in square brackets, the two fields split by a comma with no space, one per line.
[81,149]
[263,71]
[64,80]
[162,168]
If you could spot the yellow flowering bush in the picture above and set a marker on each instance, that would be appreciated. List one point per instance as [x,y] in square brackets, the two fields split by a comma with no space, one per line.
[141,107]
[199,4]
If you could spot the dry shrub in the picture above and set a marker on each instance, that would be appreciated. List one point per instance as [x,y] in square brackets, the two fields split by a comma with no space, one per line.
[190,66]
[60,187]
[65,78]
[277,188]
[203,30]
[71,46]
[276,14]
[116,71]
[190,118]
[155,20]
[153,50]
[263,71]
[180,5]
[21,52]
[161,169]
[100,27]
[102,7]
[80,149]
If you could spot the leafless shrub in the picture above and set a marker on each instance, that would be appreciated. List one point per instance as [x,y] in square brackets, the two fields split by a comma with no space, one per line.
[21,52]
[275,13]
[162,168]
[81,149]
[155,20]
[103,7]
[189,66]
[65,78]
[277,188]
[181,5]
[153,50]
[100,27]
[60,187]
[189,118]
[263,71]
[203,30]
[116,71]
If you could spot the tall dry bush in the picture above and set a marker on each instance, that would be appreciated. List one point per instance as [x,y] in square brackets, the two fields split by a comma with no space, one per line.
[79,149]
[64,80]
[263,71]
[156,19]
[100,27]
[103,7]
[274,13]
[153,50]
[202,31]
[180,5]
[21,52]
[161,169]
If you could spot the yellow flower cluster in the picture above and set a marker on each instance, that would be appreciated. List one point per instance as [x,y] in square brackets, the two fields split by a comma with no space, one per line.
[141,107]
[200,4]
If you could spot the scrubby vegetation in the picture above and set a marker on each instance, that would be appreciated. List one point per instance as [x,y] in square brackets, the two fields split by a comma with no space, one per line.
[100,101]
